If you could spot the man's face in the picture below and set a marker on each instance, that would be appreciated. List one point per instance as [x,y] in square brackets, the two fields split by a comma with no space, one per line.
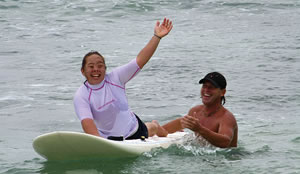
[94,69]
[210,94]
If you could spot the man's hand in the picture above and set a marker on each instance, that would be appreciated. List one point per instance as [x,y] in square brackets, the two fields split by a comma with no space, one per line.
[191,122]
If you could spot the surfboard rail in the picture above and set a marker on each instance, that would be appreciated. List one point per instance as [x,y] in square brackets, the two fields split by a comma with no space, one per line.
[68,145]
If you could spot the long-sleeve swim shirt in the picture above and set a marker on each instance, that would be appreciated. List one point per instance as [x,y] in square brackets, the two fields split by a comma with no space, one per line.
[107,104]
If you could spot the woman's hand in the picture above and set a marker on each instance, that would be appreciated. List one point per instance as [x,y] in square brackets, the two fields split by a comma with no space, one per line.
[163,29]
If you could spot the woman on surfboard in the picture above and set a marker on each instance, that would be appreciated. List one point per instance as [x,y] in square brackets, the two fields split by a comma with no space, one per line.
[101,103]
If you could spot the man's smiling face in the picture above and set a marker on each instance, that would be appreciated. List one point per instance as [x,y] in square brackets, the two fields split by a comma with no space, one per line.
[211,94]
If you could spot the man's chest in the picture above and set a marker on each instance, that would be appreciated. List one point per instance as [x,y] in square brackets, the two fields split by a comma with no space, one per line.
[209,122]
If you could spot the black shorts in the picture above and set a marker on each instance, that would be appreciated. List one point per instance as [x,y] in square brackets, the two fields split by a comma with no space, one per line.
[142,131]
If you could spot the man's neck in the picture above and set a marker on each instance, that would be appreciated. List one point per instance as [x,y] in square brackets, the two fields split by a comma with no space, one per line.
[210,110]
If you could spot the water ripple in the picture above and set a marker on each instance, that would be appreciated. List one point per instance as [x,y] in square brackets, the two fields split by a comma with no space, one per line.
[8,7]
[296,140]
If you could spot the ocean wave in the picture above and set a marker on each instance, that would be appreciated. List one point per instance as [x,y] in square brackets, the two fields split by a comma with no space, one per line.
[296,140]
[7,7]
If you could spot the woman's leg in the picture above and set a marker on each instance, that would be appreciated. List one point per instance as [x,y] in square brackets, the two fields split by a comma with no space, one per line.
[155,129]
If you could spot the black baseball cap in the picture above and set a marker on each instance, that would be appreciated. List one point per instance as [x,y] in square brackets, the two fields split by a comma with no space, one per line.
[216,78]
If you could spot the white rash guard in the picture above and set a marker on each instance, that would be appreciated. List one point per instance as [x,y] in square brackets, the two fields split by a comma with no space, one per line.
[106,103]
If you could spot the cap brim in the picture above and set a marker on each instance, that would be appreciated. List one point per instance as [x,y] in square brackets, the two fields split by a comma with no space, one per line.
[210,80]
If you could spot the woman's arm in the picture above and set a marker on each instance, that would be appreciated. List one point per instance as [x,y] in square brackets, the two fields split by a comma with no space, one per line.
[160,31]
[89,127]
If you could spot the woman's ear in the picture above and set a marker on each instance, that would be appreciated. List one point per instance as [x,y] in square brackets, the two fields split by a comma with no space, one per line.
[82,71]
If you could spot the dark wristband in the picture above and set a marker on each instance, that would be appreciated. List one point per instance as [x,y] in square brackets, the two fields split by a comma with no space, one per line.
[157,36]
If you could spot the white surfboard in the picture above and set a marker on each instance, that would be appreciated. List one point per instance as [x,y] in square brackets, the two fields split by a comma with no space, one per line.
[65,145]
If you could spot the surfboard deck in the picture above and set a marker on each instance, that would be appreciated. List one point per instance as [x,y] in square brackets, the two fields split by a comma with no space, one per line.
[66,145]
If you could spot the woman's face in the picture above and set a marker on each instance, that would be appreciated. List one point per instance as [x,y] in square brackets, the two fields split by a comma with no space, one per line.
[94,69]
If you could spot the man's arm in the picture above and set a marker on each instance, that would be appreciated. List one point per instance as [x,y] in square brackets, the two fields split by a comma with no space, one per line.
[159,32]
[89,127]
[173,126]
[176,125]
[222,138]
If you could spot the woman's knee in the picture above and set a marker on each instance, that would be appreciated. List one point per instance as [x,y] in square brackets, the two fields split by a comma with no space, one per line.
[152,128]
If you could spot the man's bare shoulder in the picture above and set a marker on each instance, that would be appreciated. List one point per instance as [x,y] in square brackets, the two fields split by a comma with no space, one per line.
[229,116]
[228,113]
[196,108]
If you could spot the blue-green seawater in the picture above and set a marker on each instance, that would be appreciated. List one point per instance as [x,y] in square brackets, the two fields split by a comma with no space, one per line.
[254,43]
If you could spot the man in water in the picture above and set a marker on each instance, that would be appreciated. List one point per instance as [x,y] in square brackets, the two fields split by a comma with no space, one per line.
[211,120]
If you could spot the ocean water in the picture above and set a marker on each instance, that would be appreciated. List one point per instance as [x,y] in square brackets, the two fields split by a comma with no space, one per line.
[255,44]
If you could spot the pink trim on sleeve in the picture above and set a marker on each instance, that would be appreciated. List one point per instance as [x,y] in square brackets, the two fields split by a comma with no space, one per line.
[134,73]
[90,94]
[114,84]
